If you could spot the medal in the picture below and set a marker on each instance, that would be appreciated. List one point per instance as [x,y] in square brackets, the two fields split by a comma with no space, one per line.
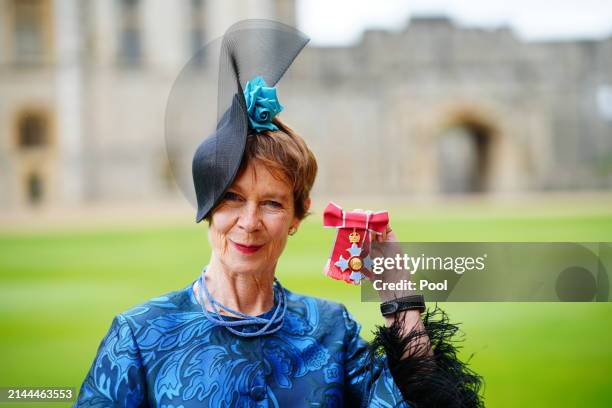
[350,256]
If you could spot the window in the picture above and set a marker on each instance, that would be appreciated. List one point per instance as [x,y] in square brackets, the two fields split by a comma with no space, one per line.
[130,42]
[32,131]
[28,36]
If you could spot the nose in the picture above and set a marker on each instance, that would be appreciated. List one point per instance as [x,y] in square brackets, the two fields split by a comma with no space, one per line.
[250,219]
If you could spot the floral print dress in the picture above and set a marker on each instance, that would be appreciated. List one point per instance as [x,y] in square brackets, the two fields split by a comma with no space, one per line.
[165,353]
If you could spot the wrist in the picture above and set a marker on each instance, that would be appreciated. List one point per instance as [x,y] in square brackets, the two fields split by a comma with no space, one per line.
[396,305]
[406,318]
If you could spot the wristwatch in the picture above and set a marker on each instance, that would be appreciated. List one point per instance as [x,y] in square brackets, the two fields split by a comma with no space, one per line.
[413,302]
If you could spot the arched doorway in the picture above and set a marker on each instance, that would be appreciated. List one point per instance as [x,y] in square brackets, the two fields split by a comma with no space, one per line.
[464,156]
[33,142]
[465,147]
[34,189]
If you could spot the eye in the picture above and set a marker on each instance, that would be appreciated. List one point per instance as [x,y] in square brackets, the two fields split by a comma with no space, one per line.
[229,196]
[272,203]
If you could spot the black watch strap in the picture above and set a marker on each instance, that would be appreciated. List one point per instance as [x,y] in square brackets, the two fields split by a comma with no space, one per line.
[413,302]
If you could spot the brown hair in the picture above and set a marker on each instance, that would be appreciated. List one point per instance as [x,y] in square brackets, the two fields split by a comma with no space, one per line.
[286,155]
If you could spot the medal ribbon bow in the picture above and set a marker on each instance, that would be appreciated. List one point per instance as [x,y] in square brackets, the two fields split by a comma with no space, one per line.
[335,217]
[350,253]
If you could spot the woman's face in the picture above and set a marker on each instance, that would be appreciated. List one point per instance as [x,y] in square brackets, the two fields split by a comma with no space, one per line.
[249,228]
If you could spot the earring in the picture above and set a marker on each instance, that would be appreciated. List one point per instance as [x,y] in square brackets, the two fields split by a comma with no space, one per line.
[292,230]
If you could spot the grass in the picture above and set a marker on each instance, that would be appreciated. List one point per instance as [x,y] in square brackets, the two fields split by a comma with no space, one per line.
[60,290]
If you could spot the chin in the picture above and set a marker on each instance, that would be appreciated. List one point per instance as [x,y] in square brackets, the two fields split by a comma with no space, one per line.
[246,265]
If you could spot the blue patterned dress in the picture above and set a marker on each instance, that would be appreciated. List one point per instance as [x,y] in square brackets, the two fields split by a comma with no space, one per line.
[165,353]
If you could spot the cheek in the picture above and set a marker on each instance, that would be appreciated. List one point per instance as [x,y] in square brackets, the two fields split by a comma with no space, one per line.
[275,247]
[217,233]
[218,241]
[277,229]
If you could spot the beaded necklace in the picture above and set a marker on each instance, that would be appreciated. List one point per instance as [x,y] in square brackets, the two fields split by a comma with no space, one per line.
[268,326]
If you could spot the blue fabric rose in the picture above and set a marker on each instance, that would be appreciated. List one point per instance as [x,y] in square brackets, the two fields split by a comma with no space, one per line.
[262,104]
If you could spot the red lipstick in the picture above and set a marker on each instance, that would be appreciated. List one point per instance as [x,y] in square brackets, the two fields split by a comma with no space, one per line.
[247,249]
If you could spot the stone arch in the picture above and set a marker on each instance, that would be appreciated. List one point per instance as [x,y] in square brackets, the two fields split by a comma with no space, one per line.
[465,146]
[494,154]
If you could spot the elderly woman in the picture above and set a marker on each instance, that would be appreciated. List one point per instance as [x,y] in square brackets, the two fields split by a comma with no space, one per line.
[236,336]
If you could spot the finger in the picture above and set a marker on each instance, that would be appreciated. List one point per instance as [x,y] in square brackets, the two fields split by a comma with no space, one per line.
[386,233]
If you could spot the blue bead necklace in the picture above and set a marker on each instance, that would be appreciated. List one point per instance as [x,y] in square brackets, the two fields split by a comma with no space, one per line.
[268,326]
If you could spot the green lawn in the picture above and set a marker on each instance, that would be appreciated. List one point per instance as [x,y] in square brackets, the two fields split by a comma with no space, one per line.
[60,290]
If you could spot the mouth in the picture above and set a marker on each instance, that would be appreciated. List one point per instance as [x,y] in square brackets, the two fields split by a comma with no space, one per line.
[246,249]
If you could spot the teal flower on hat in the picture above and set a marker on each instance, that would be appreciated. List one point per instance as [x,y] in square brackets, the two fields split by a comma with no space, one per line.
[262,104]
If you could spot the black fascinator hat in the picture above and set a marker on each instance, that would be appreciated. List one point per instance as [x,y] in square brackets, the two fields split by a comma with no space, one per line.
[251,55]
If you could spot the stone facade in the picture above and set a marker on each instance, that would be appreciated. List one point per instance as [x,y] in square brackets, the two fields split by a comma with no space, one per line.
[433,109]
[440,108]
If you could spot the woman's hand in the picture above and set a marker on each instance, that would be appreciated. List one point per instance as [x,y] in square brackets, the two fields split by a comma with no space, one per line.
[390,247]
[387,236]
[386,245]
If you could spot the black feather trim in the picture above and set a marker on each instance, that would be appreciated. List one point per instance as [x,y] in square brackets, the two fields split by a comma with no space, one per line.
[438,380]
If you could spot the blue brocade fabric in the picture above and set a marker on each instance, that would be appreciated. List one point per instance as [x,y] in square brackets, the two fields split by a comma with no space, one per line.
[165,353]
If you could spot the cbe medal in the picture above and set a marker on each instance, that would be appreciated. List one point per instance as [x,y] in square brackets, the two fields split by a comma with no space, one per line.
[350,256]
[354,262]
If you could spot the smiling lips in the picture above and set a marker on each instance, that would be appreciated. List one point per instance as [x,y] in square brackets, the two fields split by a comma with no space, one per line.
[247,249]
